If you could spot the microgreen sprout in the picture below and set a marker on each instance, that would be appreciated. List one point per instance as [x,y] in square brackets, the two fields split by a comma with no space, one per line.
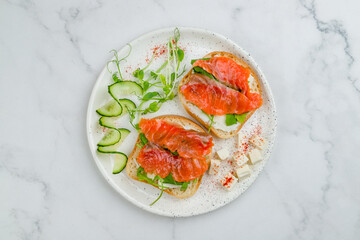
[117,62]
[161,193]
[211,118]
[162,81]
[157,181]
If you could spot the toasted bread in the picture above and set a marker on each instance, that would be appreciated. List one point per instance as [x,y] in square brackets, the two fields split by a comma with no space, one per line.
[131,166]
[255,87]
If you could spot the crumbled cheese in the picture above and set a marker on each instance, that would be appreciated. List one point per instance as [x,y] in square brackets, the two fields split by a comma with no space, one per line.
[257,141]
[214,167]
[241,140]
[229,181]
[243,171]
[223,154]
[240,159]
[255,156]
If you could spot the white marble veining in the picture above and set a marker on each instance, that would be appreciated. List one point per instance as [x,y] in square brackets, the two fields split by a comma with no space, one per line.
[51,53]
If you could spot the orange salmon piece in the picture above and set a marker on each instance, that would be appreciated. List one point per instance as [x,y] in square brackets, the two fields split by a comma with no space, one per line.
[227,71]
[215,98]
[187,143]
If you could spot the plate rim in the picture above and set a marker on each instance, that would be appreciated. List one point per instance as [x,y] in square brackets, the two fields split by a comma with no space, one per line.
[102,73]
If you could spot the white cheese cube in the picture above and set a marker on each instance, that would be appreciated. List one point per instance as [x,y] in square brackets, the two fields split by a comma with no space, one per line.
[255,156]
[229,181]
[223,154]
[214,167]
[257,141]
[241,141]
[243,171]
[240,159]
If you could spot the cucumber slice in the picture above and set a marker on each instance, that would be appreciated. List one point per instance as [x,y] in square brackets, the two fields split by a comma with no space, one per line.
[126,105]
[114,148]
[108,122]
[110,109]
[120,160]
[124,133]
[120,89]
[109,149]
[111,137]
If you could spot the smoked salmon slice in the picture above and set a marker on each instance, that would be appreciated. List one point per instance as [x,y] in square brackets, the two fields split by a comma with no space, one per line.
[187,143]
[158,161]
[187,169]
[227,71]
[155,160]
[215,98]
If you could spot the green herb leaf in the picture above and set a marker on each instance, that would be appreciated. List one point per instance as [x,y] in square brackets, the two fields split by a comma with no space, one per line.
[141,75]
[115,78]
[171,96]
[194,60]
[143,139]
[136,73]
[230,119]
[146,86]
[172,76]
[157,177]
[154,106]
[150,95]
[184,186]
[163,79]
[153,74]
[170,179]
[180,54]
[167,89]
[241,117]
[141,174]
[173,153]
[202,71]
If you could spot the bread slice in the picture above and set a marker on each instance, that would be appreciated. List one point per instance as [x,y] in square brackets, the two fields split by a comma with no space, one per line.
[131,166]
[255,87]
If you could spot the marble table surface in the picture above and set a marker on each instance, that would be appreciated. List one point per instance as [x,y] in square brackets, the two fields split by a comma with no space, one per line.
[51,53]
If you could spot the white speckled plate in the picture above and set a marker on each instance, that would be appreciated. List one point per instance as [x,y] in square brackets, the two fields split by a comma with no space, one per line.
[210,195]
